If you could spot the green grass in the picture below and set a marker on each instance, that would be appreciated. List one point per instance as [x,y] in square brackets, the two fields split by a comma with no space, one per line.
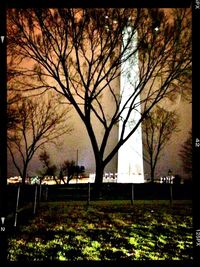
[106,230]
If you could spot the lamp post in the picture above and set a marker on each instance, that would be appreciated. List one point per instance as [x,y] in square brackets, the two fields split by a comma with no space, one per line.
[170,186]
[77,165]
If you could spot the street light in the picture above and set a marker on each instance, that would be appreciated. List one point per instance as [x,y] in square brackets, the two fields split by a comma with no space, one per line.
[170,175]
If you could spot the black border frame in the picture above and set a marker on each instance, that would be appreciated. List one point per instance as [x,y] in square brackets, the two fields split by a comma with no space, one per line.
[195,118]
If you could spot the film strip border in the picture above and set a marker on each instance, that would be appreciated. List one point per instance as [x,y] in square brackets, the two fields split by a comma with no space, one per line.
[3,135]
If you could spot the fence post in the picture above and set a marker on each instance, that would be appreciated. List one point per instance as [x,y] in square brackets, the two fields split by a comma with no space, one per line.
[132,193]
[88,201]
[40,194]
[17,204]
[46,193]
[35,200]
[171,194]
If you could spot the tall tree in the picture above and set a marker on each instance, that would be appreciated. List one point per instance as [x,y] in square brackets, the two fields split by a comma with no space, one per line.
[186,155]
[39,122]
[157,128]
[79,53]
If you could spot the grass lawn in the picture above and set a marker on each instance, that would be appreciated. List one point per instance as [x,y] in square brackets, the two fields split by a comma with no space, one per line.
[105,230]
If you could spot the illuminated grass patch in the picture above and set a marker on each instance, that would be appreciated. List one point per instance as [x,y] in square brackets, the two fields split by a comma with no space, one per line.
[105,231]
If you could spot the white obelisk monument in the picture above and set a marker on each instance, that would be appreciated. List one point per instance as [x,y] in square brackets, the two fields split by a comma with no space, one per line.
[130,155]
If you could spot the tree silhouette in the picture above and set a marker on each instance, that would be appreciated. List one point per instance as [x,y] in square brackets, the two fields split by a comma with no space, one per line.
[49,169]
[12,114]
[12,96]
[39,122]
[79,54]
[70,169]
[157,130]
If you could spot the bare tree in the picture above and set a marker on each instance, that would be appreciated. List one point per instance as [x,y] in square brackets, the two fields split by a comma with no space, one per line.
[40,122]
[186,155]
[67,168]
[70,169]
[79,53]
[12,96]
[49,169]
[12,114]
[158,127]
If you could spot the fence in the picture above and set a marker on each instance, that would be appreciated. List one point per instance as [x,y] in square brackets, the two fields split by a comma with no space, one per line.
[22,199]
[113,191]
[28,197]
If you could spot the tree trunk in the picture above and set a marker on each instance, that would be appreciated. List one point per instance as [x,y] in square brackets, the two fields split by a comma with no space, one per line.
[54,177]
[152,174]
[69,178]
[24,175]
[98,180]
